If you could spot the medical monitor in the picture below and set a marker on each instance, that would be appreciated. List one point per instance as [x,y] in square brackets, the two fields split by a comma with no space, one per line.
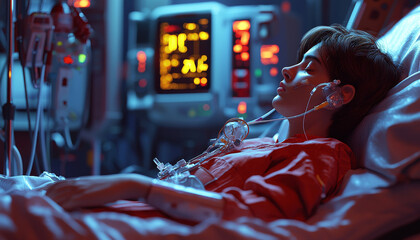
[183,54]
[211,62]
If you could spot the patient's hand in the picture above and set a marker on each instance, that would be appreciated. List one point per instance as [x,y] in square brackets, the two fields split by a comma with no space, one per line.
[98,190]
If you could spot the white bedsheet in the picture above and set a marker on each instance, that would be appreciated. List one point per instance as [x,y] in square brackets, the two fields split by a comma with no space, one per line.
[363,210]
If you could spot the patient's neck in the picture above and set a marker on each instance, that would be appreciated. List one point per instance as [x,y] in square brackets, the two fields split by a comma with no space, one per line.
[316,124]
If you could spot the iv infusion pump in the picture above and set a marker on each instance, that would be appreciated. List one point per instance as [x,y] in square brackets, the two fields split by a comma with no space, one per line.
[207,62]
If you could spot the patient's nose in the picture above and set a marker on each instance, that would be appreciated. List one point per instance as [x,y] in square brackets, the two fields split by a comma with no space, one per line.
[287,73]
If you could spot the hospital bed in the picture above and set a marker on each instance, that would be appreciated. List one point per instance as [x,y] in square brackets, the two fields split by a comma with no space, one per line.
[380,200]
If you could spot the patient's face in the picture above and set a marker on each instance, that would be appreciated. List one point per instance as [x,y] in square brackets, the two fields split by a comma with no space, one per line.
[299,80]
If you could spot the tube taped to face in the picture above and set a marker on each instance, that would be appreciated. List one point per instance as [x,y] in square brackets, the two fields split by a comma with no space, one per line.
[185,202]
[332,93]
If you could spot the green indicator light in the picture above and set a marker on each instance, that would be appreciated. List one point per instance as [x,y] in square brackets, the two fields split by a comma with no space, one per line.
[192,113]
[82,58]
[258,72]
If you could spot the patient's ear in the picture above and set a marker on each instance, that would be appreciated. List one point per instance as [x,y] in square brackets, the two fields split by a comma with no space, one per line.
[348,92]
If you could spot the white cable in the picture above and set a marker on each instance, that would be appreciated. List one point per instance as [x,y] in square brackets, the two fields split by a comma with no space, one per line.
[17,160]
[284,118]
[38,116]
[67,136]
[43,145]
[304,115]
[263,116]
[16,155]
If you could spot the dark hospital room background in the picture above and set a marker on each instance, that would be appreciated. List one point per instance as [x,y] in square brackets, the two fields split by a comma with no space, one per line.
[102,108]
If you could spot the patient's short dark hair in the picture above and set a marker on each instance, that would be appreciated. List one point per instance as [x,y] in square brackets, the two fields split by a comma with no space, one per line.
[354,58]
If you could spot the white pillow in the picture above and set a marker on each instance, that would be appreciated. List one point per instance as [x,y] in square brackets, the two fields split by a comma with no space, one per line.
[387,141]
[402,42]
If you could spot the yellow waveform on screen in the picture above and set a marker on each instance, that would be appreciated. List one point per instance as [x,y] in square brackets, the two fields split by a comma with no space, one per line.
[189,65]
[167,78]
[181,42]
[177,42]
[172,43]
[193,36]
[204,36]
[201,65]
[190,26]
[174,62]
[166,63]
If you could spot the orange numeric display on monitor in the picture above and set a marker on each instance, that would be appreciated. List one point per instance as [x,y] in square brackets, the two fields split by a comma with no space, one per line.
[184,53]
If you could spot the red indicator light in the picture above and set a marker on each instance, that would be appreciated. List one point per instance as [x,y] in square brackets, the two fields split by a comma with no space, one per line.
[286,6]
[68,60]
[274,71]
[203,82]
[142,83]
[242,108]
[141,58]
[268,54]
[171,28]
[206,107]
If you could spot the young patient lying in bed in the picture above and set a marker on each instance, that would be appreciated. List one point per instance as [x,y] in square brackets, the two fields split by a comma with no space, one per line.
[262,178]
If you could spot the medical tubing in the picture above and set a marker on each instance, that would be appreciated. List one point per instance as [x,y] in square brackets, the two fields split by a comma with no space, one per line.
[18,160]
[26,91]
[317,107]
[263,116]
[38,116]
[306,109]
[25,85]
[43,141]
[16,154]
[67,137]
[322,105]
[204,155]
[284,118]
[33,72]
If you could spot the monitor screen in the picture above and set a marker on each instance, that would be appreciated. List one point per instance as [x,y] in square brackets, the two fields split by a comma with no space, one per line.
[183,54]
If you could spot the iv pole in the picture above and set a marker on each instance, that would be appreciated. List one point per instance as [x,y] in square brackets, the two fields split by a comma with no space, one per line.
[8,108]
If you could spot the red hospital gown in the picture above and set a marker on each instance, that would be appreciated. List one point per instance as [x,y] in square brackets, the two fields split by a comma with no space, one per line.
[271,180]
[268,180]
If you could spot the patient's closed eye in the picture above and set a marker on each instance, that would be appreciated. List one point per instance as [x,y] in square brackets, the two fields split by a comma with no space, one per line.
[310,67]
